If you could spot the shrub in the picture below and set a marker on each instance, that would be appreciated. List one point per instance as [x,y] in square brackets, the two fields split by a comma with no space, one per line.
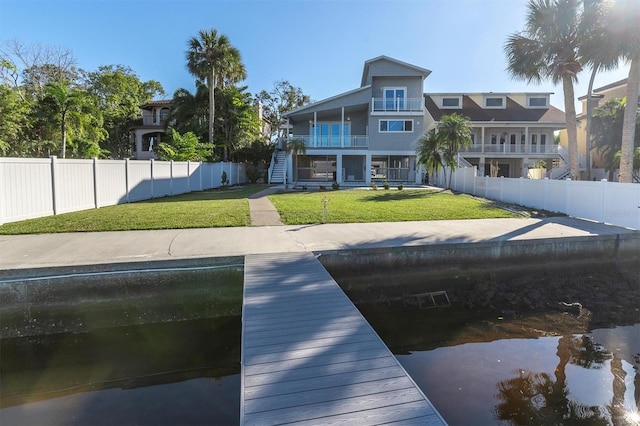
[322,188]
[224,179]
[400,187]
[335,185]
[374,186]
[385,184]
[253,173]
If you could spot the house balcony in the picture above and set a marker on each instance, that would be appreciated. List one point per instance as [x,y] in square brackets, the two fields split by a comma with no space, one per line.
[397,105]
[507,148]
[337,142]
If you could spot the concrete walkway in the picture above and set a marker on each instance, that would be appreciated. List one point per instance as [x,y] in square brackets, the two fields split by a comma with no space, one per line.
[263,213]
[25,252]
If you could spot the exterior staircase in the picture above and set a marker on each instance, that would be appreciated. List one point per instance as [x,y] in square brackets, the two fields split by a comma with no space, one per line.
[279,170]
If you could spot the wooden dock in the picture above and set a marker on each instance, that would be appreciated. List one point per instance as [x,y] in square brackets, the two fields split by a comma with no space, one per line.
[308,355]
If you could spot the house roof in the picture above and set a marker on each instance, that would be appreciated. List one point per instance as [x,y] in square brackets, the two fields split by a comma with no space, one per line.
[365,72]
[161,102]
[607,87]
[513,112]
[311,107]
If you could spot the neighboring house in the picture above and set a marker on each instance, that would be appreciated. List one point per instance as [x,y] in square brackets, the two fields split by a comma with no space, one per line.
[149,131]
[370,133]
[512,130]
[616,90]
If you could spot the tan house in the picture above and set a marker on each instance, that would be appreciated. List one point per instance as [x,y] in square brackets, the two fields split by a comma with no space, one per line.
[616,90]
[148,132]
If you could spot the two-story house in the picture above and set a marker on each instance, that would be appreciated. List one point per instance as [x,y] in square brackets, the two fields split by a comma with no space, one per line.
[148,132]
[370,133]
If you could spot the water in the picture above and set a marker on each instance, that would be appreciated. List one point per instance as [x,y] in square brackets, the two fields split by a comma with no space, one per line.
[158,348]
[494,370]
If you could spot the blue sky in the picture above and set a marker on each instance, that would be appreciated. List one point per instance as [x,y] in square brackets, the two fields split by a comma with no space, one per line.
[318,45]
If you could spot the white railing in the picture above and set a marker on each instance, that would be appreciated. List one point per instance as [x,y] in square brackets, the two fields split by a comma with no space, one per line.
[36,187]
[606,202]
[508,148]
[397,104]
[351,141]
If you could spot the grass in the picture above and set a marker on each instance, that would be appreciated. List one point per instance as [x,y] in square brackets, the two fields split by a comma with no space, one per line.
[207,209]
[350,206]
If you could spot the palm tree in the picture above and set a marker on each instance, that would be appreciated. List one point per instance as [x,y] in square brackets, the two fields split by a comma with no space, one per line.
[625,31]
[64,101]
[599,52]
[430,152]
[296,147]
[548,48]
[213,59]
[454,132]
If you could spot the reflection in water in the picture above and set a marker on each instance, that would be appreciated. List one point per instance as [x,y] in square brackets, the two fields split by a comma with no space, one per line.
[512,372]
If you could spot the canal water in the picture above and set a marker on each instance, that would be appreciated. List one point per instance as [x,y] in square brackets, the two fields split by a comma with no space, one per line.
[160,348]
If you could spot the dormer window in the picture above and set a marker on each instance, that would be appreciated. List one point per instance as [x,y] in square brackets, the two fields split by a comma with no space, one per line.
[537,102]
[495,101]
[452,102]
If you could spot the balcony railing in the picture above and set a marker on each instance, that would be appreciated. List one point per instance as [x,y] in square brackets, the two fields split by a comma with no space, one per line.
[397,105]
[350,141]
[512,149]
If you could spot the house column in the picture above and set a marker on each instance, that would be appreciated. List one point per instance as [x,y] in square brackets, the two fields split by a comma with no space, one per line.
[525,167]
[367,169]
[482,141]
[339,168]
[342,129]
[315,127]
[527,148]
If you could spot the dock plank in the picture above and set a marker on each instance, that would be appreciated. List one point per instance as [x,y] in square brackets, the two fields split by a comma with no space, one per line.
[308,355]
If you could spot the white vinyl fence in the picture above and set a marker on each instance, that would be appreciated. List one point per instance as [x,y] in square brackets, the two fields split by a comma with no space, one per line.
[606,202]
[36,187]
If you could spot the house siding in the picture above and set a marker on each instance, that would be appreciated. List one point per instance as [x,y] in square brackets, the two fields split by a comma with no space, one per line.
[413,85]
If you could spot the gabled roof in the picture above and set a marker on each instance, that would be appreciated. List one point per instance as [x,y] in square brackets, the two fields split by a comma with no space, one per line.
[314,105]
[513,112]
[365,72]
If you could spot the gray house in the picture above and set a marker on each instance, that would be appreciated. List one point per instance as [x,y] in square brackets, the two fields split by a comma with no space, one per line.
[370,133]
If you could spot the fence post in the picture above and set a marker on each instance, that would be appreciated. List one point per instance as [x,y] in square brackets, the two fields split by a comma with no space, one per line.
[475,175]
[3,201]
[126,178]
[95,182]
[545,194]
[501,188]
[170,177]
[188,176]
[54,173]
[604,204]
[566,196]
[520,190]
[151,170]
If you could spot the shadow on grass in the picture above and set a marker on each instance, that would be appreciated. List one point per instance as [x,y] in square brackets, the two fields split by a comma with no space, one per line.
[401,195]
[229,193]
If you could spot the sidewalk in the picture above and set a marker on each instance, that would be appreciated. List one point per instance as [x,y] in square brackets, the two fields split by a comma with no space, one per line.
[51,250]
[263,213]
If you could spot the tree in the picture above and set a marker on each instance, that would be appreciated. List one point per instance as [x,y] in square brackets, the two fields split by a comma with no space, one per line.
[184,147]
[296,147]
[212,58]
[599,52]
[625,32]
[454,132]
[606,135]
[119,93]
[282,98]
[188,112]
[15,122]
[430,152]
[239,125]
[548,48]
[64,100]
[636,163]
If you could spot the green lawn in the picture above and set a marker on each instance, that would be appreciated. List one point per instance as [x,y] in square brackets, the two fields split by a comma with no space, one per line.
[348,206]
[216,208]
[230,207]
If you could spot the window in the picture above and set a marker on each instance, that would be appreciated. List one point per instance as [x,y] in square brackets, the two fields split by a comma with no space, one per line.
[396,125]
[328,133]
[537,101]
[394,98]
[453,102]
[494,102]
